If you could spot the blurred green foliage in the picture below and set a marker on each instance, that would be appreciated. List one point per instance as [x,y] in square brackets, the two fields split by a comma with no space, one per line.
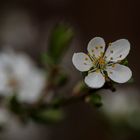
[15,106]
[80,87]
[124,62]
[61,79]
[48,116]
[95,99]
[60,39]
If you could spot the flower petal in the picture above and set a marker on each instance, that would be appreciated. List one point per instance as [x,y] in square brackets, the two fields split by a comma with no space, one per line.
[119,73]
[82,61]
[96,47]
[31,86]
[95,80]
[117,50]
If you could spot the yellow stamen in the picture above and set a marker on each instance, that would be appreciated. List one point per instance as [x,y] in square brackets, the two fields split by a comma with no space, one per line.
[96,47]
[101,61]
[113,65]
[98,71]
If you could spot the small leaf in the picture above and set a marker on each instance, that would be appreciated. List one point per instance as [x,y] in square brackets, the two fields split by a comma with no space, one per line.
[48,116]
[60,39]
[95,99]
[46,59]
[124,62]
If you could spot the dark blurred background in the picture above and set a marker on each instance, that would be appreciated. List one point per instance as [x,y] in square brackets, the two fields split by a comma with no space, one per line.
[25,24]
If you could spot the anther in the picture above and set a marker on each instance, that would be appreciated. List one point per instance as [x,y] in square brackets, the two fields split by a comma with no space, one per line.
[113,65]
[111,51]
[110,44]
[98,71]
[96,47]
[111,72]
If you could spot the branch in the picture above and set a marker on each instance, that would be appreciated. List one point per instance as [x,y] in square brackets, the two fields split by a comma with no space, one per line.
[80,96]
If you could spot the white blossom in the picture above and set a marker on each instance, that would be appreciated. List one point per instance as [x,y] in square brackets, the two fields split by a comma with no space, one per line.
[98,62]
[19,75]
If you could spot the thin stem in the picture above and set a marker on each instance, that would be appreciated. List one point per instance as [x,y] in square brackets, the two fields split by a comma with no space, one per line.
[79,96]
[73,99]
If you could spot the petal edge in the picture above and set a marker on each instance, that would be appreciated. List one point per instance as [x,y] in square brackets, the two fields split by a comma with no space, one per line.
[96,46]
[95,80]
[119,73]
[118,50]
[81,61]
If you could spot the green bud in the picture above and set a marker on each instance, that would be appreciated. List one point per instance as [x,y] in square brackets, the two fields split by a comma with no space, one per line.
[80,87]
[95,99]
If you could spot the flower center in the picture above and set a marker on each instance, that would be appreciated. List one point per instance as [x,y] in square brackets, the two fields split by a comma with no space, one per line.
[101,61]
[98,64]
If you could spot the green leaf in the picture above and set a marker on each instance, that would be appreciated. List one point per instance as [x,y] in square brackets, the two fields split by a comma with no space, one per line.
[95,99]
[60,39]
[124,62]
[48,116]
[46,59]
